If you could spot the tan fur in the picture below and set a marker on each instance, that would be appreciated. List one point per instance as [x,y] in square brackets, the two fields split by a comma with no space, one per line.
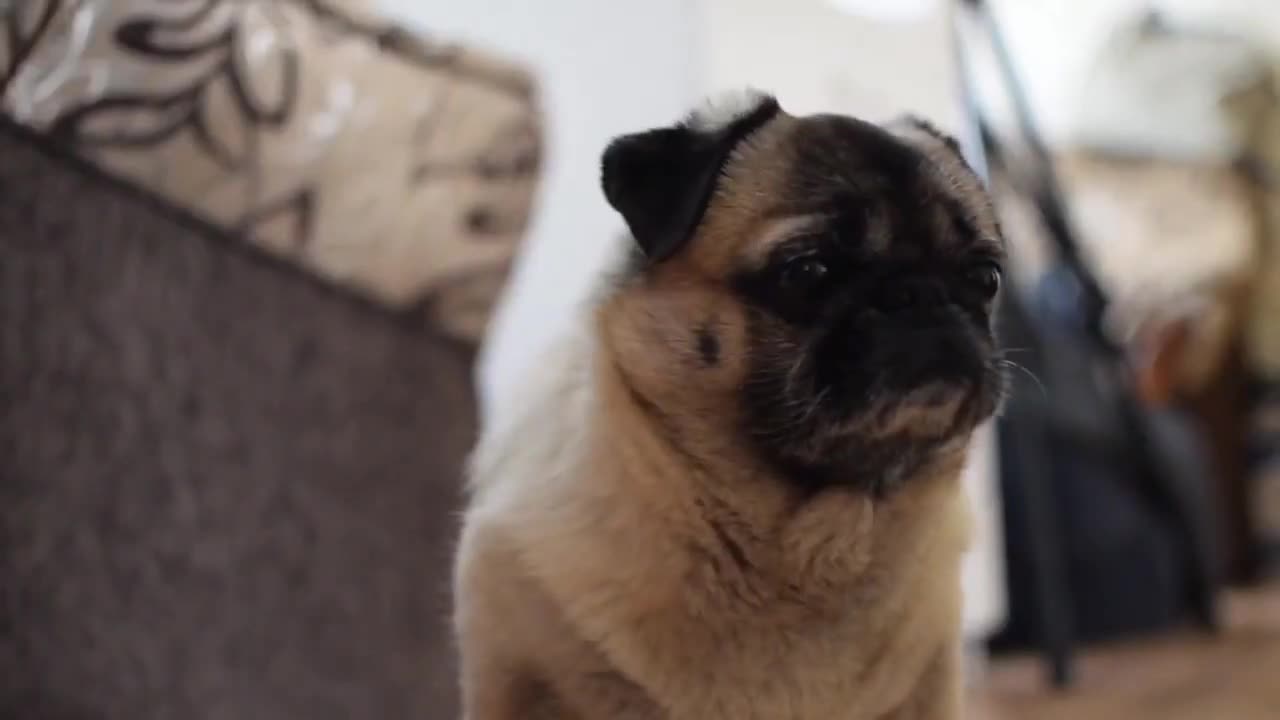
[626,555]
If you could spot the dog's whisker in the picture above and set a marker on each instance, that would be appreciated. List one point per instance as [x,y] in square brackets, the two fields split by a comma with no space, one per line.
[1010,350]
[1005,363]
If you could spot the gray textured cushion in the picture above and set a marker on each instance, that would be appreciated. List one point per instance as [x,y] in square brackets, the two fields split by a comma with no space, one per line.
[226,490]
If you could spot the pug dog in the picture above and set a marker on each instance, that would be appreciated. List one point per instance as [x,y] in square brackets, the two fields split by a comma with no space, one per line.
[733,493]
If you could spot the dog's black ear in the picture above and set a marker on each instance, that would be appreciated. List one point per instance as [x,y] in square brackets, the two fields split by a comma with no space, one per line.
[661,180]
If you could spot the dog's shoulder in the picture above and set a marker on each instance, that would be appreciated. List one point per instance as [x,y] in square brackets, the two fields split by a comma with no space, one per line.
[539,435]
[523,452]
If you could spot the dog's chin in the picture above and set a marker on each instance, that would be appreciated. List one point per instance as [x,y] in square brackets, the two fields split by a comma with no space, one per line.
[891,432]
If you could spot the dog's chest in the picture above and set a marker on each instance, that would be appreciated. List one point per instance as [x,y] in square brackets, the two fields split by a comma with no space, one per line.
[743,658]
[842,676]
[835,672]
[795,690]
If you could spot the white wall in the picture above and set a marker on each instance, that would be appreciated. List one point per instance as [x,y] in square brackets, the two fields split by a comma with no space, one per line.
[817,58]
[607,67]
[1056,42]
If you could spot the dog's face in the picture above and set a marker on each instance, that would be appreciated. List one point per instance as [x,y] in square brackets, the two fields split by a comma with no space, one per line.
[844,273]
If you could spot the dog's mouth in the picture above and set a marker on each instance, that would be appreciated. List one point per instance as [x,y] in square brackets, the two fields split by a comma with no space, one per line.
[932,410]
[859,404]
[940,370]
[821,420]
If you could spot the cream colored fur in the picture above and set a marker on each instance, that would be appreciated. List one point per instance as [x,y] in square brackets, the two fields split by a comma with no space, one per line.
[594,580]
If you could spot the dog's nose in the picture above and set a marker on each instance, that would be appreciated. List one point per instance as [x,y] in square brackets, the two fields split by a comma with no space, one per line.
[909,294]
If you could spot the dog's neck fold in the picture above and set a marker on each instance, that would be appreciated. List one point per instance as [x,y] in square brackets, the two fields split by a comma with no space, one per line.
[700,477]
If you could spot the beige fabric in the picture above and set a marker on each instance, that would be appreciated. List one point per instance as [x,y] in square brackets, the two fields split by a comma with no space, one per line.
[402,169]
[1168,240]
[1159,229]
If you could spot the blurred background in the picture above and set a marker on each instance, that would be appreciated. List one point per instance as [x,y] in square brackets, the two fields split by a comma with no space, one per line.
[267,266]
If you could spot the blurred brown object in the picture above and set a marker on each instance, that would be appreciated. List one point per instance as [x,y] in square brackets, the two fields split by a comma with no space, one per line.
[1222,407]
[250,248]
[1218,398]
[1262,336]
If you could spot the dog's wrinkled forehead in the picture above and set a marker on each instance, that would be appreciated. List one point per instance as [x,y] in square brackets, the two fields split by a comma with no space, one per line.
[904,183]
[744,156]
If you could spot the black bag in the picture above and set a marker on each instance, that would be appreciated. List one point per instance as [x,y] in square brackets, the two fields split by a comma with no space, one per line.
[1111,484]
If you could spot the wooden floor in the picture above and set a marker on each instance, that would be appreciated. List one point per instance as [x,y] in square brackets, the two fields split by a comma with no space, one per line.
[1235,676]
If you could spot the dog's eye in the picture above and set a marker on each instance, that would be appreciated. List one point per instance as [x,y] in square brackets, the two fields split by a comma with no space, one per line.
[985,278]
[804,274]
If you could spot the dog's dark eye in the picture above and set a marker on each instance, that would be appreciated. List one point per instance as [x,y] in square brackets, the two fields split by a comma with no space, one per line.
[984,277]
[804,275]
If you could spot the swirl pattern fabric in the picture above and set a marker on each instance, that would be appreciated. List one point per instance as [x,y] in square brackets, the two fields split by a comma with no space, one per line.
[400,168]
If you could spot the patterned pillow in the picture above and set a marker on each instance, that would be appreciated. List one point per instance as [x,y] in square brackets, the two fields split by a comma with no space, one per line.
[399,168]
